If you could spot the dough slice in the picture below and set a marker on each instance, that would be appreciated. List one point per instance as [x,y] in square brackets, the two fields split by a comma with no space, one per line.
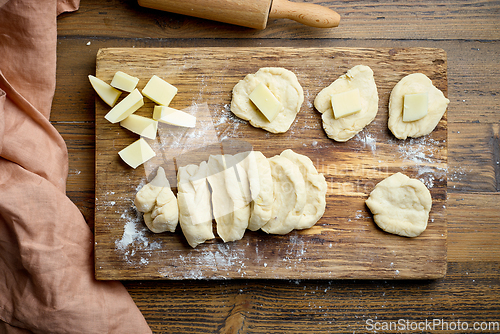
[315,189]
[228,200]
[193,196]
[262,205]
[145,199]
[400,205]
[289,196]
[285,87]
[415,83]
[345,128]
[246,170]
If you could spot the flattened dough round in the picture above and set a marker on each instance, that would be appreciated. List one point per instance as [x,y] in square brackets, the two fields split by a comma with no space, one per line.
[400,205]
[415,83]
[285,87]
[315,189]
[345,128]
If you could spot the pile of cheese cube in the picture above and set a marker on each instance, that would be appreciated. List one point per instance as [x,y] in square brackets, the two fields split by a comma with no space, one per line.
[157,90]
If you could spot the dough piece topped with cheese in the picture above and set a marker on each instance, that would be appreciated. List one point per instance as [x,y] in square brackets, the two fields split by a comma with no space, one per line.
[315,183]
[415,83]
[230,207]
[262,204]
[342,129]
[195,212]
[284,86]
[400,205]
[289,196]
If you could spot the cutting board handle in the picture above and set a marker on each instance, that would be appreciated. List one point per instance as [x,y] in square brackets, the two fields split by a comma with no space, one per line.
[305,13]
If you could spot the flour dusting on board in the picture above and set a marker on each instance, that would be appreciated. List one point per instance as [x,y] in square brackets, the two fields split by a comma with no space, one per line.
[422,154]
[134,238]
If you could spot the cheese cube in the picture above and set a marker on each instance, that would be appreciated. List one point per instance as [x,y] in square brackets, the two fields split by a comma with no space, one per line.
[159,91]
[124,81]
[415,107]
[107,93]
[346,103]
[266,102]
[137,153]
[174,117]
[125,107]
[146,127]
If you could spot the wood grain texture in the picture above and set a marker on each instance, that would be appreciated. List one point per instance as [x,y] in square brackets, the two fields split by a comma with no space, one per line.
[345,243]
[318,306]
[363,20]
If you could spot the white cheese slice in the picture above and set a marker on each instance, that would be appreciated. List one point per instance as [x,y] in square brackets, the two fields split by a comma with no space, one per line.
[125,107]
[137,153]
[144,126]
[266,102]
[124,81]
[415,106]
[159,91]
[346,103]
[107,93]
[174,117]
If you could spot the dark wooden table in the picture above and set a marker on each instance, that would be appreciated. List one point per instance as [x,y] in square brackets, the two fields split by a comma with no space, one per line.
[469,31]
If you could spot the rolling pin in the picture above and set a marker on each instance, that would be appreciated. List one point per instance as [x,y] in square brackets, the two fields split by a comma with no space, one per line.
[249,13]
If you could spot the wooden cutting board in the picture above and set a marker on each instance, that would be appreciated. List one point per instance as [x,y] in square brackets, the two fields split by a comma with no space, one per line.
[345,243]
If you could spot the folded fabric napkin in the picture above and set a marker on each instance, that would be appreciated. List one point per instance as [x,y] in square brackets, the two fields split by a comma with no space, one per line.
[47,282]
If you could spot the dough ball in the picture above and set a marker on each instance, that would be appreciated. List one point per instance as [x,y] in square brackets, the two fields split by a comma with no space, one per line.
[400,205]
[158,203]
[416,83]
[345,128]
[285,87]
[231,209]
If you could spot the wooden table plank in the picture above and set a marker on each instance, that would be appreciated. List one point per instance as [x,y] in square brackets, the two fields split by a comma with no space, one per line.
[473,238]
[318,306]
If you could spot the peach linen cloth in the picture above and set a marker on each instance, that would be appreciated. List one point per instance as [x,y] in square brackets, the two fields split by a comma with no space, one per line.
[47,282]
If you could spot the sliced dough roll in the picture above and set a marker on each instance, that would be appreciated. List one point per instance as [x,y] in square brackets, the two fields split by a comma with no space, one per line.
[315,189]
[230,207]
[289,196]
[195,214]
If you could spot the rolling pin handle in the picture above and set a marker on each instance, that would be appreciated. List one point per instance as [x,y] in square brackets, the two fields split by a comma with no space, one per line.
[305,13]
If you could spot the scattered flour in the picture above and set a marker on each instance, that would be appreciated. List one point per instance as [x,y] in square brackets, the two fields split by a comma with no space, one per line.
[367,139]
[134,240]
[421,153]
